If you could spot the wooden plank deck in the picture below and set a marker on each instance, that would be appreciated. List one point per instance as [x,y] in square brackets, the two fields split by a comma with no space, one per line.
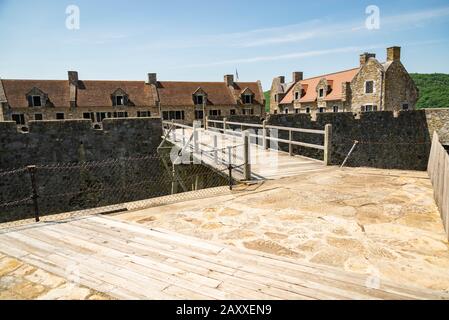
[265,164]
[130,261]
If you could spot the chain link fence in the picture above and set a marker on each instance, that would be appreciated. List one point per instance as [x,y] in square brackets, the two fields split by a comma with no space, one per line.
[42,190]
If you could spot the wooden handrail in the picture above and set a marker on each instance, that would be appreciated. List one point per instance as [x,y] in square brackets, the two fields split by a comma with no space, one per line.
[293,129]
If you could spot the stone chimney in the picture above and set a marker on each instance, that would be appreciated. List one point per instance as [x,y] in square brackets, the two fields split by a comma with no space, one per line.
[297,76]
[229,80]
[73,84]
[281,79]
[394,54]
[152,78]
[73,77]
[365,56]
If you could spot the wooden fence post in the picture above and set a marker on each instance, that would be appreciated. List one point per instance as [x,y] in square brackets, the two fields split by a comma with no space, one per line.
[290,145]
[195,139]
[328,144]
[215,148]
[246,156]
[224,125]
[264,135]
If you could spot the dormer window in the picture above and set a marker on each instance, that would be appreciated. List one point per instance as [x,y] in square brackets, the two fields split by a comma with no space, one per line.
[321,93]
[120,98]
[37,101]
[247,96]
[297,95]
[248,99]
[37,98]
[199,99]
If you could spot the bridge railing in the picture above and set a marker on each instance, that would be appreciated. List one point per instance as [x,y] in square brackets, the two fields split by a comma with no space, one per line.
[265,137]
[234,157]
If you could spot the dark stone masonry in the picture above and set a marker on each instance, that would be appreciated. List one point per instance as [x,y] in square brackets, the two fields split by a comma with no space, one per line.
[76,140]
[79,167]
[385,140]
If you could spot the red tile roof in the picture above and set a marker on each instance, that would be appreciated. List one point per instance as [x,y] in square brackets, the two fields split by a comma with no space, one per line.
[16,91]
[176,93]
[335,80]
[98,93]
[93,93]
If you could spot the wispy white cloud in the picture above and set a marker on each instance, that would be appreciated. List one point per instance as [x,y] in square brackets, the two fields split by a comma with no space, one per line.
[295,55]
[307,54]
[314,29]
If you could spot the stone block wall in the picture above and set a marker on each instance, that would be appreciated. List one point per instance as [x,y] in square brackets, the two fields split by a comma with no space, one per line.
[76,140]
[438,120]
[122,166]
[386,140]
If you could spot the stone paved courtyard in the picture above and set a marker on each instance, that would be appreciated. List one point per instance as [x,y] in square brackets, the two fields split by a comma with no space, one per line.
[382,223]
[21,281]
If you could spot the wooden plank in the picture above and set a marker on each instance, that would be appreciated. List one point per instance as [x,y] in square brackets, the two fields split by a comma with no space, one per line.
[322,272]
[142,268]
[131,261]
[239,266]
[141,285]
[316,292]
[302,275]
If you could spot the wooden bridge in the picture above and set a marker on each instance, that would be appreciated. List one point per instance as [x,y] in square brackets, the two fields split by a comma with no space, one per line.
[252,150]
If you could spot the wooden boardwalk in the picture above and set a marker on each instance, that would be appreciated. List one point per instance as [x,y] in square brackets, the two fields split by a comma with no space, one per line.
[130,261]
[265,164]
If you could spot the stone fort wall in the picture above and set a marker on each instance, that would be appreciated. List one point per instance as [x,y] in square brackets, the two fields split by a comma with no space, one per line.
[76,140]
[386,140]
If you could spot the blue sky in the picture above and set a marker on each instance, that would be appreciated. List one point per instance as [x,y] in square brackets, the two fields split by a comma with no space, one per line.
[203,40]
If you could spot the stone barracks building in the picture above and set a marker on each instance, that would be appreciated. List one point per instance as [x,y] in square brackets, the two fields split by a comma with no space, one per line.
[373,86]
[25,100]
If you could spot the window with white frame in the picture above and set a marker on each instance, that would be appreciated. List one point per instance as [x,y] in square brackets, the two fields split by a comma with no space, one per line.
[120,114]
[369,87]
[119,100]
[307,109]
[286,110]
[322,110]
[297,110]
[321,93]
[369,108]
[297,95]
[335,108]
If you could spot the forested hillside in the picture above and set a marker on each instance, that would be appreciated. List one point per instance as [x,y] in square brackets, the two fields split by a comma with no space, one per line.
[433,90]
